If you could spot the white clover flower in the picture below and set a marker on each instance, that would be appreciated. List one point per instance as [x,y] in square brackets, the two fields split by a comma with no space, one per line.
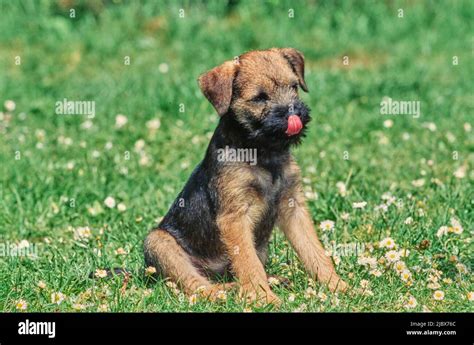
[442,231]
[100,273]
[153,124]
[460,172]
[120,121]
[82,233]
[9,105]
[109,202]
[376,272]
[367,261]
[341,188]
[120,251]
[345,216]
[322,296]
[418,183]
[272,281]
[121,207]
[360,204]
[163,68]
[150,270]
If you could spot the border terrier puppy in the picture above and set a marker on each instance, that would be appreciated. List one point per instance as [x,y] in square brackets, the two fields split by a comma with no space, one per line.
[223,218]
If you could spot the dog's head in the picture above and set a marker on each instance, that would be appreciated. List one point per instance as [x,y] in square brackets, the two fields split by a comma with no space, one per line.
[260,90]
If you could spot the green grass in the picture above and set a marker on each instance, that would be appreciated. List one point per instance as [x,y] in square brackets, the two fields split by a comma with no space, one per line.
[49,191]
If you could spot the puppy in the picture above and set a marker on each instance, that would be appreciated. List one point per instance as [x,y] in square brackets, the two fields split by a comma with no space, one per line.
[223,218]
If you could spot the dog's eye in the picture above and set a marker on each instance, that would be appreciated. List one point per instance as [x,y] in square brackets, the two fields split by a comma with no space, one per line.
[294,86]
[260,98]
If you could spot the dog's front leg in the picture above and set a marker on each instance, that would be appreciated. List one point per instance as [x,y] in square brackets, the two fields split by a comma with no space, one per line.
[295,221]
[236,233]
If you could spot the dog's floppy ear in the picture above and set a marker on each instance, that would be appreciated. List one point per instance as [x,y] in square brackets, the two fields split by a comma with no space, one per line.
[216,85]
[296,60]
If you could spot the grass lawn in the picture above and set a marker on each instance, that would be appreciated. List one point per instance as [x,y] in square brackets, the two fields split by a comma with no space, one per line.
[60,173]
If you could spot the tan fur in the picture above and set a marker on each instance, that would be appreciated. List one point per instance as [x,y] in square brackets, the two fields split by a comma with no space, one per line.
[241,206]
[176,264]
[217,85]
[295,222]
[240,210]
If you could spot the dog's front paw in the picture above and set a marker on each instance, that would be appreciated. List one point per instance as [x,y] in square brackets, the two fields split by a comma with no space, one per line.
[261,296]
[336,284]
[215,292]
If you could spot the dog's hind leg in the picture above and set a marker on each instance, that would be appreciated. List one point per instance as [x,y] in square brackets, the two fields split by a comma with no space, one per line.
[168,257]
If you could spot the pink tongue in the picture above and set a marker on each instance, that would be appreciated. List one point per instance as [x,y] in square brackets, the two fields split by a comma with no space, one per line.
[294,125]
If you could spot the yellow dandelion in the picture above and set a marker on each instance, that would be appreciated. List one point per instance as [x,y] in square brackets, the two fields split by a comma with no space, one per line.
[470,296]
